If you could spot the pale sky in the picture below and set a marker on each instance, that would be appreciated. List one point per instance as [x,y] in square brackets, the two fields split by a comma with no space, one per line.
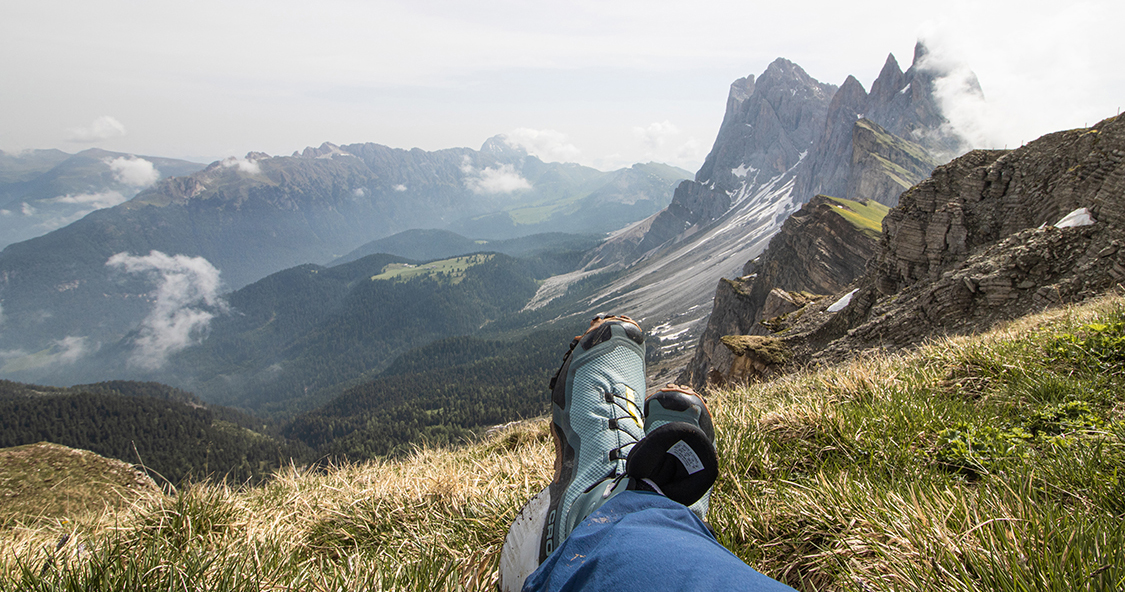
[602,83]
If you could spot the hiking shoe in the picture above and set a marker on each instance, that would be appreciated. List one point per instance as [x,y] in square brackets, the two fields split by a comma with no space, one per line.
[596,400]
[670,405]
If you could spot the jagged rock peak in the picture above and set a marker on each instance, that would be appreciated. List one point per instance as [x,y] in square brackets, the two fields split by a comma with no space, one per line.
[325,150]
[500,146]
[767,132]
[891,80]
[741,89]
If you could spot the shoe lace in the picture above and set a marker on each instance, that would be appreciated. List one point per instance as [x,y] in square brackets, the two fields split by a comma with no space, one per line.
[625,404]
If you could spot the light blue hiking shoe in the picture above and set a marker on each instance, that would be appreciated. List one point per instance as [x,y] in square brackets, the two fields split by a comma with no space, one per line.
[680,404]
[596,401]
[596,418]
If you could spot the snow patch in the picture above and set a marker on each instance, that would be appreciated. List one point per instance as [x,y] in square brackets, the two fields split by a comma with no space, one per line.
[904,89]
[741,171]
[842,302]
[1079,217]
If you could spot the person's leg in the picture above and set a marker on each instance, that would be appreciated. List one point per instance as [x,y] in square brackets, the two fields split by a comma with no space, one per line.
[644,542]
[615,515]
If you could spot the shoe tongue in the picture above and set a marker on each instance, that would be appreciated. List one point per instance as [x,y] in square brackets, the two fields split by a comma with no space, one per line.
[679,458]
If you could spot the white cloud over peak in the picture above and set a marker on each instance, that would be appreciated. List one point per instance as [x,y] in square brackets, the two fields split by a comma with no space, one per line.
[490,180]
[359,192]
[656,134]
[101,129]
[400,187]
[663,142]
[185,300]
[244,165]
[133,171]
[548,145]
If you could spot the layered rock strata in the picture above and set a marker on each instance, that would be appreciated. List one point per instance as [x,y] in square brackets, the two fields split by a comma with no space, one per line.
[975,244]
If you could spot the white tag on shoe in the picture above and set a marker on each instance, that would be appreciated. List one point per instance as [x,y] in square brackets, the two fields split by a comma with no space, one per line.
[687,457]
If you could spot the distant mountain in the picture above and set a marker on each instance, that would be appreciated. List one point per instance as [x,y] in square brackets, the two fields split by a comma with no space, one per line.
[784,138]
[42,190]
[444,392]
[249,217]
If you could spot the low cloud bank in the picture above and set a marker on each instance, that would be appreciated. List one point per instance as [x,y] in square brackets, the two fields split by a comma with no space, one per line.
[663,142]
[547,145]
[491,181]
[94,201]
[244,165]
[133,171]
[185,300]
[62,352]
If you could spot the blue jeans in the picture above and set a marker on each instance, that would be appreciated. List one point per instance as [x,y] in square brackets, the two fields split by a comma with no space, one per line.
[644,542]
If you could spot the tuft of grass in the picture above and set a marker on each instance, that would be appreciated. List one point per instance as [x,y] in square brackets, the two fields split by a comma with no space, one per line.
[986,463]
[992,462]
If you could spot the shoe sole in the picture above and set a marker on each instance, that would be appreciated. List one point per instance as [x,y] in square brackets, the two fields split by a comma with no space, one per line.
[520,555]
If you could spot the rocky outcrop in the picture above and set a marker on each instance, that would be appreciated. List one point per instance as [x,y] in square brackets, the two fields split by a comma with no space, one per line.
[817,251]
[976,244]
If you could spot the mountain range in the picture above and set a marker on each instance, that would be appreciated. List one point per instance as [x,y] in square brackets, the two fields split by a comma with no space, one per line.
[785,138]
[241,219]
[43,190]
[326,297]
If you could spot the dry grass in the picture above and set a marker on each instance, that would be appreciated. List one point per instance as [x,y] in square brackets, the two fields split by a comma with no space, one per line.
[830,480]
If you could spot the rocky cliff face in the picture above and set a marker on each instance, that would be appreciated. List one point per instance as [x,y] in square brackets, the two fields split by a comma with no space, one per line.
[976,244]
[884,165]
[817,251]
[876,145]
[784,135]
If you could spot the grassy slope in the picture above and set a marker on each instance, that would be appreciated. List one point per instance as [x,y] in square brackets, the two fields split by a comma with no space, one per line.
[47,481]
[984,463]
[867,216]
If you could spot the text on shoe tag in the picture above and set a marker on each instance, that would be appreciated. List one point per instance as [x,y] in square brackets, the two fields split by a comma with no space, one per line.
[687,457]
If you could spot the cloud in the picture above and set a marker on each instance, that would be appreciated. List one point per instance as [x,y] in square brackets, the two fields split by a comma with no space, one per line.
[400,187]
[548,145]
[136,172]
[96,201]
[657,134]
[63,351]
[102,128]
[662,143]
[5,212]
[359,192]
[489,181]
[26,209]
[185,300]
[244,165]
